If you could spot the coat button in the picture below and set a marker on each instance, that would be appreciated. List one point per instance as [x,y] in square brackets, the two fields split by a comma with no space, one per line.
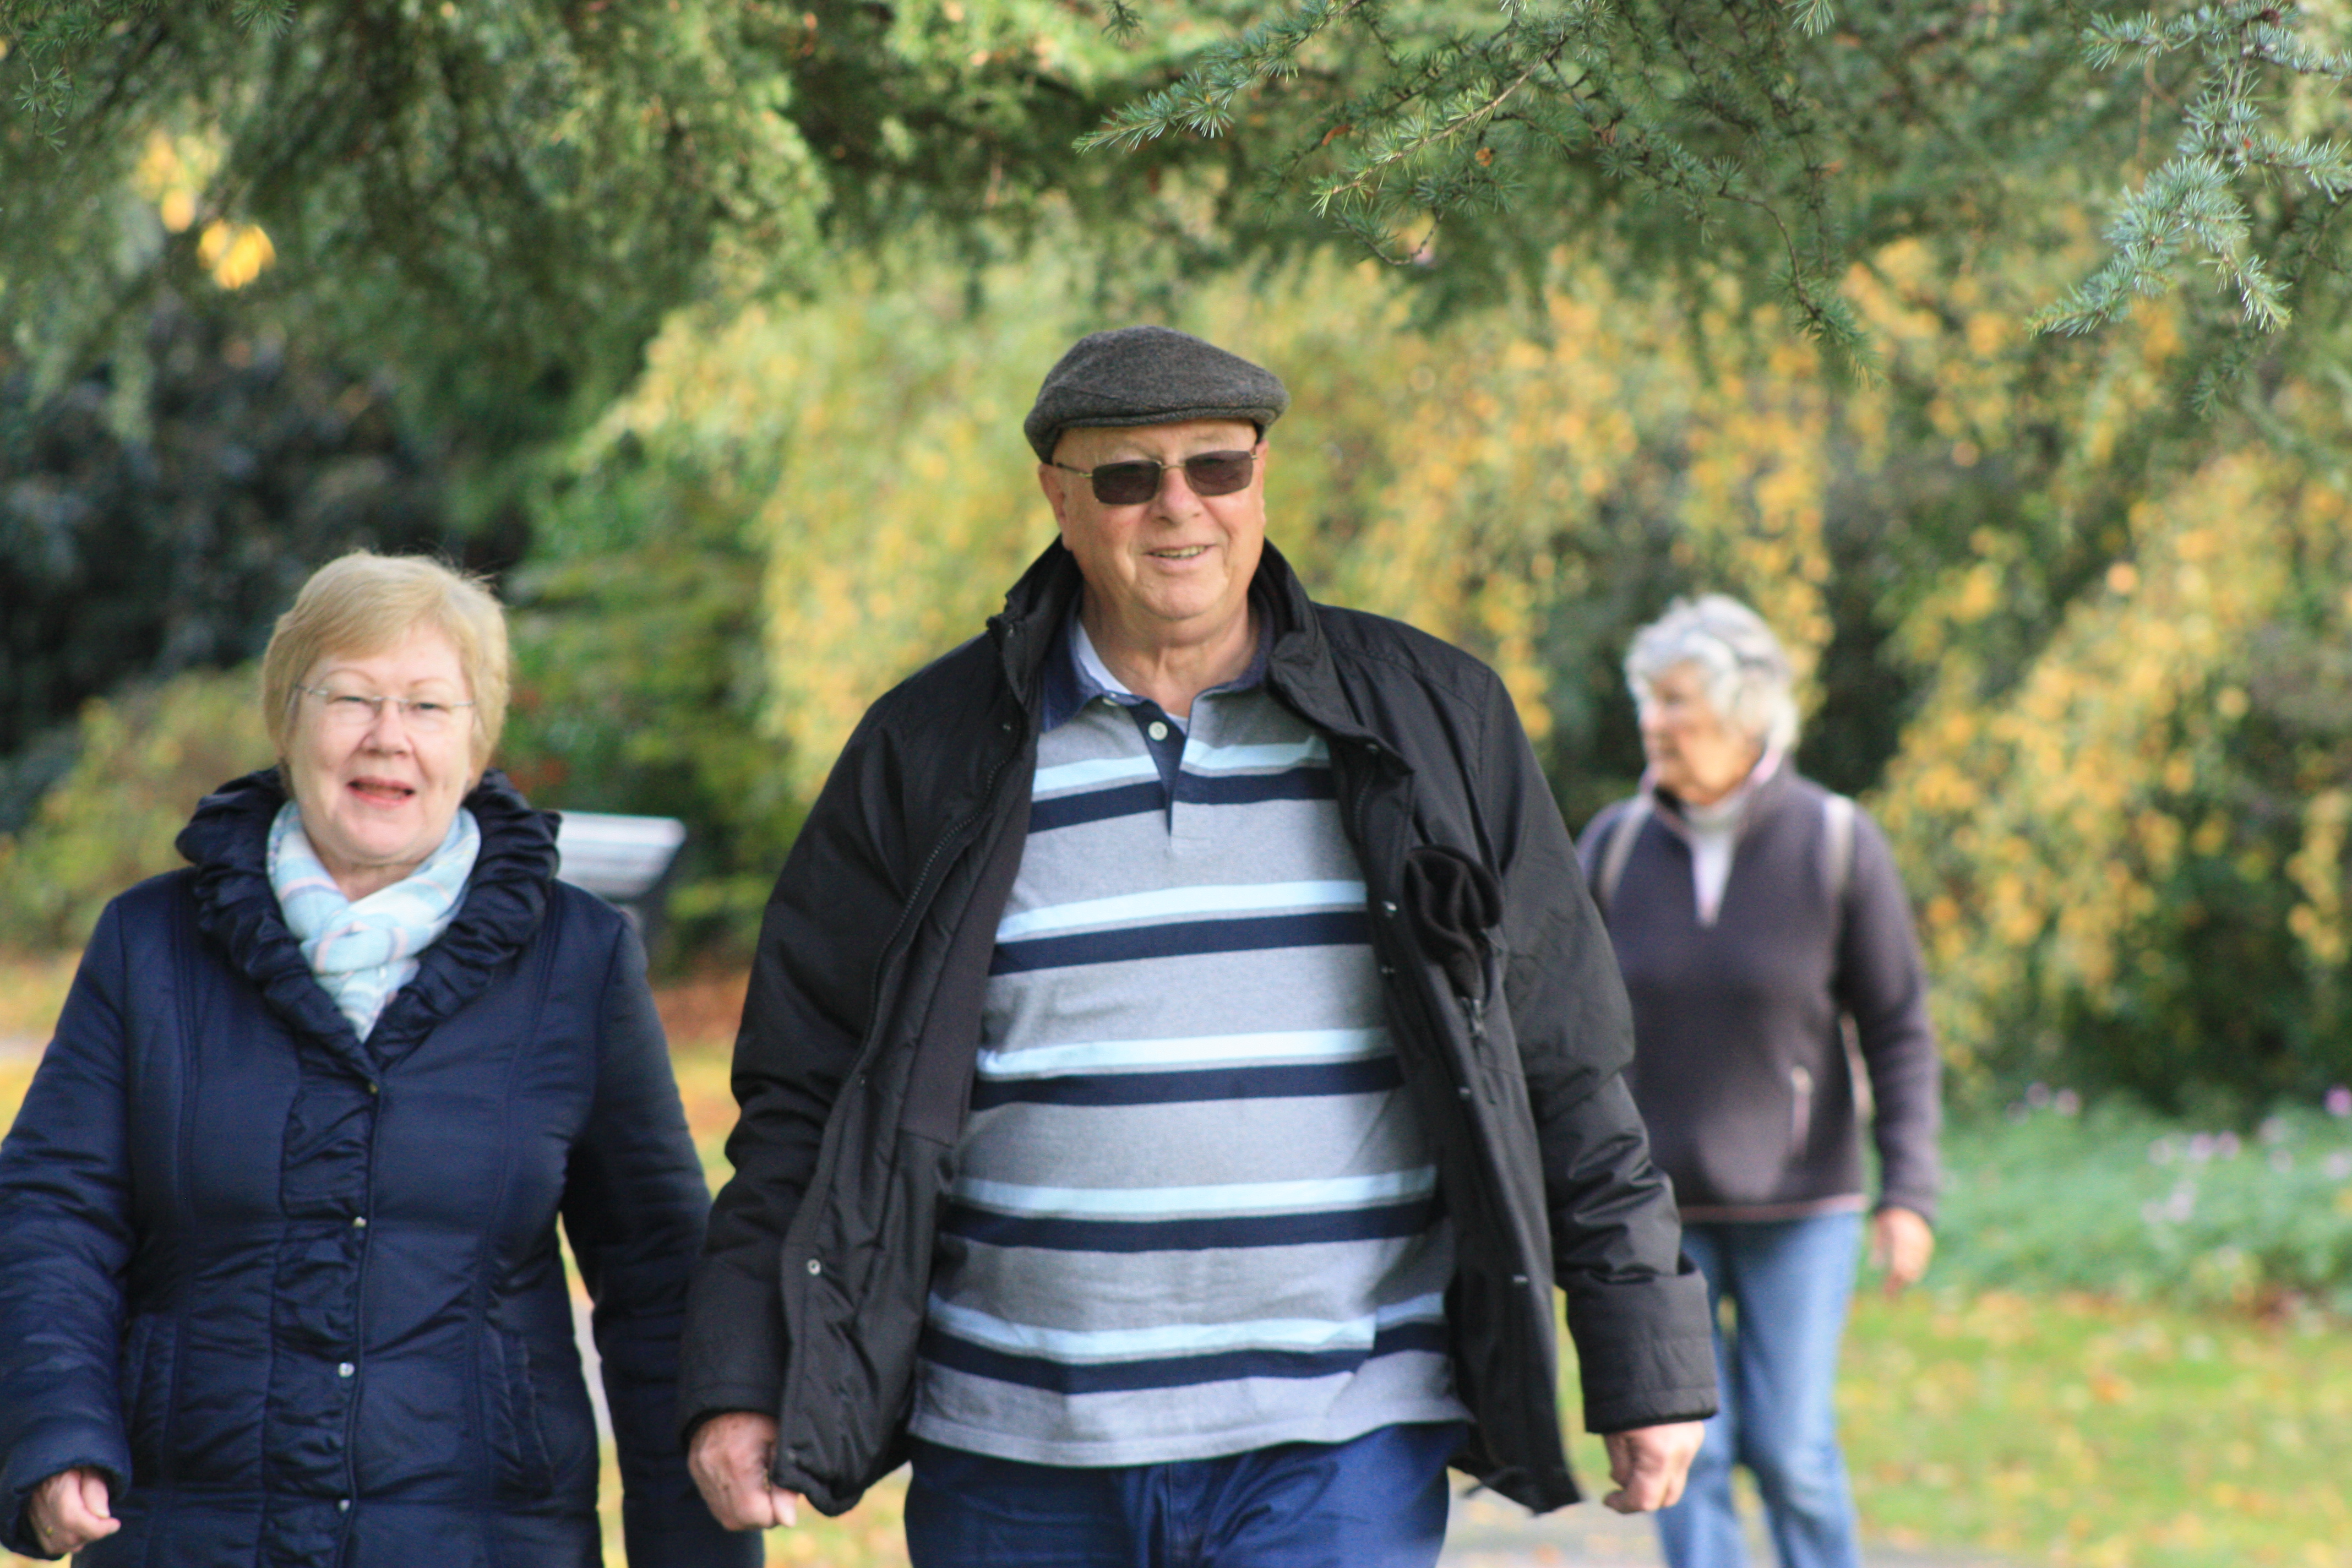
[1463,1091]
[342,1505]
[1388,909]
[375,1087]
[344,1369]
[814,1267]
[359,1222]
[1158,731]
[1518,1278]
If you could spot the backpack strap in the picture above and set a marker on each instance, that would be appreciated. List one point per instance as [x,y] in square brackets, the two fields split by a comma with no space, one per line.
[1837,872]
[1620,849]
[1837,845]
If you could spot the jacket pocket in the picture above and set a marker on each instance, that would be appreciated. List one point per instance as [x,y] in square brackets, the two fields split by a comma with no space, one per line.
[517,1443]
[1801,1109]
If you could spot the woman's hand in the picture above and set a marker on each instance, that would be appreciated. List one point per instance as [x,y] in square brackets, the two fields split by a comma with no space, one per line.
[1901,1244]
[69,1510]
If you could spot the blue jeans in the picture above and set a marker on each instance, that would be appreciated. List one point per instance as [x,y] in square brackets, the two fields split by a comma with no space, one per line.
[1787,1281]
[1377,1501]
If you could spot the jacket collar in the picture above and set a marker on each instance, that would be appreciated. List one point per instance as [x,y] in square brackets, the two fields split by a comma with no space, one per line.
[505,901]
[1298,664]
[1760,791]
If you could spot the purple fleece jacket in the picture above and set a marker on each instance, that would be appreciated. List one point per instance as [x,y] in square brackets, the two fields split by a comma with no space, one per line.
[1740,1064]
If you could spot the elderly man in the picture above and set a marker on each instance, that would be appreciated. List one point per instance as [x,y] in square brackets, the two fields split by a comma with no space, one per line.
[1181,1057]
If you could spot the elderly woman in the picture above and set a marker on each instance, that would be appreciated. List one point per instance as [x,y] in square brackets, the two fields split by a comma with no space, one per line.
[278,1274]
[1760,926]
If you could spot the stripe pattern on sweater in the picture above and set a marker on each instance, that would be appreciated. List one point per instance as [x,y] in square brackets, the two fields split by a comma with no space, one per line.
[1193,1213]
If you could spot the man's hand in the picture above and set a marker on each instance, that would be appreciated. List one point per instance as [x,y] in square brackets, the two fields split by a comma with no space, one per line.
[729,1457]
[1649,1465]
[69,1510]
[1901,1244]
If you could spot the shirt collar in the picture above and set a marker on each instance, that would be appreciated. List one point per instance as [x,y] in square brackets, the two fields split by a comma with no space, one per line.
[1066,686]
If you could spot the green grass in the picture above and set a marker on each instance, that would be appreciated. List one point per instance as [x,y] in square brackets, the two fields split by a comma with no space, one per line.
[2076,1430]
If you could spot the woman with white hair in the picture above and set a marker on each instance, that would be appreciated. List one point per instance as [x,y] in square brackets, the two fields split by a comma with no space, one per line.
[1761,927]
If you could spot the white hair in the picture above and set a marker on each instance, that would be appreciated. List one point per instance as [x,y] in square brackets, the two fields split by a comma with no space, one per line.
[1742,664]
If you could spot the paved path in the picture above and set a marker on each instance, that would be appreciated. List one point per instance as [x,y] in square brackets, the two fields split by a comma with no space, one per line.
[1486,1531]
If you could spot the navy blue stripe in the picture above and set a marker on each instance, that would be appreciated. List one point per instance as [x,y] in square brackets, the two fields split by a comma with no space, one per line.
[1191,789]
[1291,1080]
[944,1349]
[1056,1234]
[1248,789]
[1096,805]
[1325,928]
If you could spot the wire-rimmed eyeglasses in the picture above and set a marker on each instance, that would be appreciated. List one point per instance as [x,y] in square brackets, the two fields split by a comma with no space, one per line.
[354,710]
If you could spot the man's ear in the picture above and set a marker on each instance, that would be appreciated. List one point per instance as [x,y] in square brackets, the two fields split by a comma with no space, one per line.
[1049,480]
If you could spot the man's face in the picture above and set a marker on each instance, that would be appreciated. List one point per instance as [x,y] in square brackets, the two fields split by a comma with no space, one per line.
[1175,569]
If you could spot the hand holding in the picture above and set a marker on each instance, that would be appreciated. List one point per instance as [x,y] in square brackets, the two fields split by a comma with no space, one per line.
[1649,1465]
[730,1457]
[69,1510]
[1901,1244]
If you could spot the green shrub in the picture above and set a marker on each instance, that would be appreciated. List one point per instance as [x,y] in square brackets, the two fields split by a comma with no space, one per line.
[2119,1202]
[147,758]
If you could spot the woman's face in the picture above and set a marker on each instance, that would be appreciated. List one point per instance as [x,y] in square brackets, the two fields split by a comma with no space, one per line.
[379,785]
[1697,756]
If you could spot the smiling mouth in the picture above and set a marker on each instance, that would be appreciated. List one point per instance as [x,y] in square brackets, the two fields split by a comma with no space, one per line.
[380,792]
[1186,554]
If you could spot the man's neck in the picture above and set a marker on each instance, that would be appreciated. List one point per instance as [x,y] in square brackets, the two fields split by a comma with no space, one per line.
[1172,673]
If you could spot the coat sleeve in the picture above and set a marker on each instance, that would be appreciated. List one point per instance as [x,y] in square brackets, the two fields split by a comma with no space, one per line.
[804,1021]
[634,1206]
[1636,1307]
[66,1237]
[1882,986]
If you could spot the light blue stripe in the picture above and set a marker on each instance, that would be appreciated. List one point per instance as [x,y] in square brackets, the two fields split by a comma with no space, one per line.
[1177,902]
[1223,1198]
[1310,753]
[1182,1338]
[1093,773]
[1112,1056]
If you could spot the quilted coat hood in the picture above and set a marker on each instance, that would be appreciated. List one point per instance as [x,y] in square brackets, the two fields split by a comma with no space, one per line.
[506,899]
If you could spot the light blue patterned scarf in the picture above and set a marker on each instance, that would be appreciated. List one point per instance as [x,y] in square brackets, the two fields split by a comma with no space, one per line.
[364,952]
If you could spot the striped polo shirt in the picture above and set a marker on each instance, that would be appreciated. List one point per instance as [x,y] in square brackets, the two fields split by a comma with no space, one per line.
[1193,1212]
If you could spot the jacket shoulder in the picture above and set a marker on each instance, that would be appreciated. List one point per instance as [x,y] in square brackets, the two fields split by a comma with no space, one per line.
[579,914]
[1597,832]
[959,681]
[143,913]
[1361,637]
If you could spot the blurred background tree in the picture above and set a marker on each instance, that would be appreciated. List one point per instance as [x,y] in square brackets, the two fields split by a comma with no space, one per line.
[708,325]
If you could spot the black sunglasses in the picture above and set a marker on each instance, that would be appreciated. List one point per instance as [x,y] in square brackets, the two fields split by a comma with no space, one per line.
[1138,479]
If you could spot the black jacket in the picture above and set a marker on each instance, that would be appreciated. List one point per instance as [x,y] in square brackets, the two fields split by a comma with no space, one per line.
[299,1295]
[855,1063]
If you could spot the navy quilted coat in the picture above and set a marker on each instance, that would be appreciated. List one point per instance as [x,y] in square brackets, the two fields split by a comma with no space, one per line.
[300,1295]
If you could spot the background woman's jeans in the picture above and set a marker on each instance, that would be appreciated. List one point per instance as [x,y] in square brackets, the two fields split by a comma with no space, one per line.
[1789,1281]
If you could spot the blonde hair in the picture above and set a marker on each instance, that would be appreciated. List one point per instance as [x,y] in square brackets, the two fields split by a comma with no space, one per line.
[362,603]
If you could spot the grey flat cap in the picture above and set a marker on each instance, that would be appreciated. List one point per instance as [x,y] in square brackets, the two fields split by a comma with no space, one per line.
[1148,376]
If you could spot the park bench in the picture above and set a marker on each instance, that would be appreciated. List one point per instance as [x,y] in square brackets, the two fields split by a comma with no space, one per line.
[624,860]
